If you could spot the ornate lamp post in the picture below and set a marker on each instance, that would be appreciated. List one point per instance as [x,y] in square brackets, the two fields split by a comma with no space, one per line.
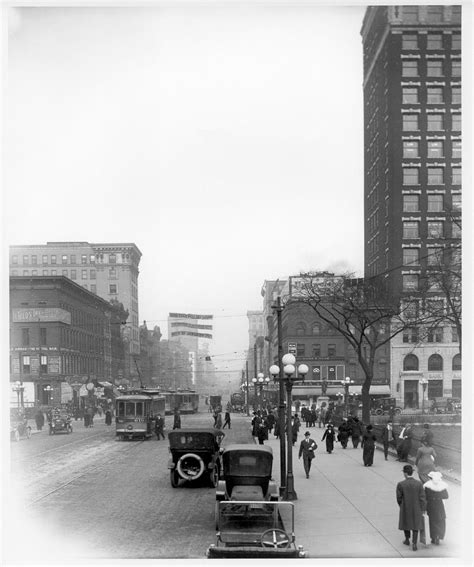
[423,384]
[289,370]
[346,383]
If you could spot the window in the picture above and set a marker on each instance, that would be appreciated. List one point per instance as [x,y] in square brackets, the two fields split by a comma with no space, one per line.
[15,259]
[93,274]
[434,68]
[410,122]
[435,335]
[316,329]
[435,363]
[409,68]
[410,282]
[64,259]
[300,329]
[43,336]
[26,272]
[112,274]
[435,148]
[411,229]
[92,259]
[411,149]
[45,259]
[435,175]
[457,149]
[73,258]
[300,349]
[410,335]
[53,259]
[456,67]
[44,364]
[411,256]
[435,229]
[73,274]
[112,258]
[84,259]
[435,122]
[112,288]
[411,203]
[26,364]
[456,121]
[435,203]
[454,336]
[84,274]
[434,41]
[53,272]
[435,95]
[25,337]
[456,41]
[26,260]
[410,14]
[64,273]
[34,260]
[410,95]
[45,272]
[409,41]
[456,202]
[93,288]
[410,363]
[331,350]
[456,230]
[411,176]
[316,351]
[457,175]
[435,14]
[456,364]
[456,95]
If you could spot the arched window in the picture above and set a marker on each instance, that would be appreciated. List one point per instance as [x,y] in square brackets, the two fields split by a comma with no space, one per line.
[300,329]
[410,362]
[316,329]
[435,362]
[457,362]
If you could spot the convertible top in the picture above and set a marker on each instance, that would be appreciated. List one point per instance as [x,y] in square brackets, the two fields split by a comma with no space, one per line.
[249,448]
[215,432]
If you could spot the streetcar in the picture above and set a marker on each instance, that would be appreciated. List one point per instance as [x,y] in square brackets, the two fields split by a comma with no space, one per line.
[136,412]
[186,401]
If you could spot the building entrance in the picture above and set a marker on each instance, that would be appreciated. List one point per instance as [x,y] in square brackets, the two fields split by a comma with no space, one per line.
[410,394]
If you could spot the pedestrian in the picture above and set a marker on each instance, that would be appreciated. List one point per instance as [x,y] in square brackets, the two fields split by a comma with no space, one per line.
[270,421]
[39,419]
[307,448]
[91,416]
[159,427]
[295,427]
[388,435]
[343,433]
[329,435]
[262,433]
[87,418]
[226,420]
[276,429]
[108,417]
[255,423]
[218,423]
[356,432]
[427,435]
[368,446]
[322,415]
[412,502]
[436,490]
[425,460]
[404,443]
[314,417]
[176,419]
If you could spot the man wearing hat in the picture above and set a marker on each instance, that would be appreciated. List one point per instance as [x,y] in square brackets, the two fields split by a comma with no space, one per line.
[412,501]
[307,448]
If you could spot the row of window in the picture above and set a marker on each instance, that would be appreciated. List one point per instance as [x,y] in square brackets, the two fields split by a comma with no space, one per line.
[435,363]
[434,148]
[435,175]
[70,364]
[434,40]
[434,94]
[435,229]
[435,122]
[54,259]
[434,257]
[433,68]
[433,335]
[435,203]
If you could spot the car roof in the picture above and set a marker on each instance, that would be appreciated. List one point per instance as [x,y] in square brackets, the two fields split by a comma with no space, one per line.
[249,448]
[197,430]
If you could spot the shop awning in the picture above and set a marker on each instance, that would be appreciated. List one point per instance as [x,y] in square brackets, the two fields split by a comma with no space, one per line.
[375,390]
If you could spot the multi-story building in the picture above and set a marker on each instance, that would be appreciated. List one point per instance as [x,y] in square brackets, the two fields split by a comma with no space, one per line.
[62,339]
[412,143]
[109,270]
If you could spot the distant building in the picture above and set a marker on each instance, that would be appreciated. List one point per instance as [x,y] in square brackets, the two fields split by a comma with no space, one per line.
[412,143]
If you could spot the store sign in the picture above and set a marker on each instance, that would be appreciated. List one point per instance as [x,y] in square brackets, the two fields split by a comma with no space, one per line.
[40,315]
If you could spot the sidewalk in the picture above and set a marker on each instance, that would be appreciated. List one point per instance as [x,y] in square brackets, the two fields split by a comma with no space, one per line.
[346,510]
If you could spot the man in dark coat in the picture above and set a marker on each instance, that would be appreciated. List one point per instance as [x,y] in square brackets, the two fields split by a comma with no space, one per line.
[412,501]
[368,445]
[343,433]
[388,436]
[39,418]
[177,420]
[159,427]
[356,432]
[307,448]
[108,417]
[405,442]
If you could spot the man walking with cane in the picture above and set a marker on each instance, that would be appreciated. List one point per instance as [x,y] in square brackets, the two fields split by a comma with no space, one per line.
[307,448]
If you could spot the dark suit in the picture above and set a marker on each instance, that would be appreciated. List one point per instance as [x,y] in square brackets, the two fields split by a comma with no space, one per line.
[412,501]
[307,448]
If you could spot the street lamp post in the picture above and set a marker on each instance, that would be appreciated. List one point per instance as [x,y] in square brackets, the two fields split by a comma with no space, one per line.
[423,383]
[289,369]
[19,389]
[346,383]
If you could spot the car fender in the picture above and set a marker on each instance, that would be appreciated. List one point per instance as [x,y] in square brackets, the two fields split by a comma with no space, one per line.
[220,491]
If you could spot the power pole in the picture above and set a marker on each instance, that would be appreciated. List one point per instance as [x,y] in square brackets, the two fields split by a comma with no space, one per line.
[247,386]
[281,407]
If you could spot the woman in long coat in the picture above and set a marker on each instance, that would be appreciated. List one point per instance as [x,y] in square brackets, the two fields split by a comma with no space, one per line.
[39,418]
[424,461]
[329,435]
[436,491]
[368,446]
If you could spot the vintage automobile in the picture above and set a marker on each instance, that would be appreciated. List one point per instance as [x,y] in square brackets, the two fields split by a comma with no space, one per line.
[385,406]
[250,520]
[59,422]
[195,454]
[19,428]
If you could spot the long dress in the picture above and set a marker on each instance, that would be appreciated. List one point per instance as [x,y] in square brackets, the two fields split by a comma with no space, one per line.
[424,461]
[329,436]
[368,446]
[435,510]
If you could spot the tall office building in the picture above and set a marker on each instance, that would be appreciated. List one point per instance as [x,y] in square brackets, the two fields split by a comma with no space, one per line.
[412,187]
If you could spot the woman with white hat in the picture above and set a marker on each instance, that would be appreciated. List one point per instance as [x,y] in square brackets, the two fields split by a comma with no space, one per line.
[436,491]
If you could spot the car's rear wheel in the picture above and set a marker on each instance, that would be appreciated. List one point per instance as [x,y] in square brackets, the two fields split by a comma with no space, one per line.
[398,411]
[214,476]
[28,432]
[174,478]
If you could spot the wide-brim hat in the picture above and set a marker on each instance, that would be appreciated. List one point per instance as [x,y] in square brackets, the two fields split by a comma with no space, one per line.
[435,475]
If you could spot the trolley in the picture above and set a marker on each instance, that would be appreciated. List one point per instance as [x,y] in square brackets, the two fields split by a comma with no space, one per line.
[136,413]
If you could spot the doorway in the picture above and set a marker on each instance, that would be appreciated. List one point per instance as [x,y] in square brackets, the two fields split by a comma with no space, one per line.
[410,394]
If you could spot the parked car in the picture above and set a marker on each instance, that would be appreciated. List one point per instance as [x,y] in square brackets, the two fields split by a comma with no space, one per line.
[250,520]
[195,453]
[19,428]
[59,422]
[445,405]
[385,406]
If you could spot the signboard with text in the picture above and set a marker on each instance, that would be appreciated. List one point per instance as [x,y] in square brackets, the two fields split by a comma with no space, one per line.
[40,315]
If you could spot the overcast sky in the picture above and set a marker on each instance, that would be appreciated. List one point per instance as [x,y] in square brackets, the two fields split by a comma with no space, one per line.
[225,141]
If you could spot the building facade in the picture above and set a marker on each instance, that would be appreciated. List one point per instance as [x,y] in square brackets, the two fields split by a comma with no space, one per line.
[109,270]
[412,145]
[62,339]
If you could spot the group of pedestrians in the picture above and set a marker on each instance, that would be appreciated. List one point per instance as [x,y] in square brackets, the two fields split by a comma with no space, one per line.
[217,415]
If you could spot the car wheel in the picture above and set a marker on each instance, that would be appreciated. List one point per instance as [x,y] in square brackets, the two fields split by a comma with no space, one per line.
[379,412]
[16,435]
[398,411]
[214,476]
[28,432]
[174,478]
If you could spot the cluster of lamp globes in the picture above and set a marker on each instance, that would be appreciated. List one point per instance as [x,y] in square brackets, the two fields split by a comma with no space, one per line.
[289,368]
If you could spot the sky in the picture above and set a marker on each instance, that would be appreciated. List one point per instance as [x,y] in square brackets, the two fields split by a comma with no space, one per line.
[225,140]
